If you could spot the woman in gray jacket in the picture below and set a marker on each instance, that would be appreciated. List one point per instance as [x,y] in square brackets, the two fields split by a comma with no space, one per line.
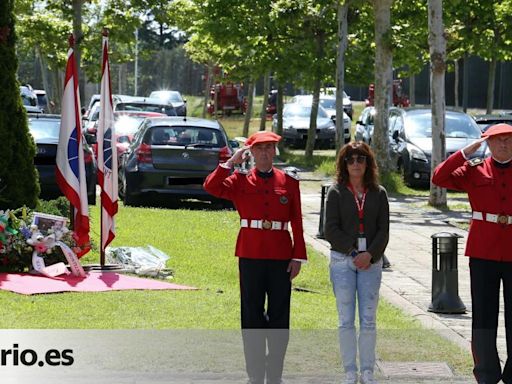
[357,227]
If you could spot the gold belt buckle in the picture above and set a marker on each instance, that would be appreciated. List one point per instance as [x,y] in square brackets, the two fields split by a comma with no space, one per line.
[266,224]
[503,219]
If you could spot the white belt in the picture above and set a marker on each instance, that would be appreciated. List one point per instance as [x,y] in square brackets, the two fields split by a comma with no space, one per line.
[492,218]
[264,224]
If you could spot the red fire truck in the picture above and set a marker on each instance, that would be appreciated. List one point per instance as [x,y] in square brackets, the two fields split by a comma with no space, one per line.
[227,98]
[399,98]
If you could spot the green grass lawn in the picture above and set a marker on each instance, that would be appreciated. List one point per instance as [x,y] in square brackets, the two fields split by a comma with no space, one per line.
[200,244]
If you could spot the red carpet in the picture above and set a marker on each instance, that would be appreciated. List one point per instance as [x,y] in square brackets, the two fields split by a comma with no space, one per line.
[28,284]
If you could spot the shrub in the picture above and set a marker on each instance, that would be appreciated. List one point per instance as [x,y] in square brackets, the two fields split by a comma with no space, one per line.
[18,177]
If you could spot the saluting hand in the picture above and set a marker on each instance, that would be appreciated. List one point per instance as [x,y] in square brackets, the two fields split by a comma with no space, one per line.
[468,150]
[240,155]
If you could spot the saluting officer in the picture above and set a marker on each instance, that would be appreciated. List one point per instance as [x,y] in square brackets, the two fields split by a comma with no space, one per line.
[268,202]
[489,186]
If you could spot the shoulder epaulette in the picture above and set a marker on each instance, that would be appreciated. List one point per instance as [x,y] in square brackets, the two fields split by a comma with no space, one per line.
[292,172]
[475,161]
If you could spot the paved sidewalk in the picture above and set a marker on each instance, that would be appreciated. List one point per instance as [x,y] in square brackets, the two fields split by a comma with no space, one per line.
[407,284]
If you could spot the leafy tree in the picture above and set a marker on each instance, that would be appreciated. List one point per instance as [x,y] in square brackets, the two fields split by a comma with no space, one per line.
[18,177]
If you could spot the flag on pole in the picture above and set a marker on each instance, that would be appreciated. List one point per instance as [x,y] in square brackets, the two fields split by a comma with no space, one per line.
[107,154]
[70,170]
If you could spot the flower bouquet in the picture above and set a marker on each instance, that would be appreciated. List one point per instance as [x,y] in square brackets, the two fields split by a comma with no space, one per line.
[34,241]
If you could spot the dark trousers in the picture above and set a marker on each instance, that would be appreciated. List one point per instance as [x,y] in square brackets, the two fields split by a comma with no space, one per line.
[486,276]
[260,281]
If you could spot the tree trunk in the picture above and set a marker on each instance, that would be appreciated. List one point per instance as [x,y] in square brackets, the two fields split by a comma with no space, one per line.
[78,34]
[44,76]
[248,112]
[465,83]
[279,112]
[437,45]
[310,142]
[490,85]
[340,71]
[383,82]
[456,83]
[266,90]
[412,90]
[207,87]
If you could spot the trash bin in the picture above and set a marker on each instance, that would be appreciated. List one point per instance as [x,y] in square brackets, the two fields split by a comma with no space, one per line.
[320,233]
[445,284]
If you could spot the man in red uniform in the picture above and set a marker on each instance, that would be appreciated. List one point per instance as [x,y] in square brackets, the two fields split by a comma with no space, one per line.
[489,186]
[268,202]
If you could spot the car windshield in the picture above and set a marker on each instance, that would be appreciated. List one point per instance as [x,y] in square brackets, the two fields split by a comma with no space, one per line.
[328,103]
[44,129]
[294,111]
[457,126]
[167,95]
[189,136]
[168,110]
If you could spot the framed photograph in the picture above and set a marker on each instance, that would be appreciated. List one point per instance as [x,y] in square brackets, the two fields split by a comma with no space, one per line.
[45,222]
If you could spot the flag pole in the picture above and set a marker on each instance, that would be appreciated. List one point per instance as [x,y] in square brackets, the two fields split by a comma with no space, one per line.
[107,156]
[71,42]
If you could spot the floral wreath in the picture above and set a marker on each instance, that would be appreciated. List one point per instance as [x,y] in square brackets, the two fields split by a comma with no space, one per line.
[23,246]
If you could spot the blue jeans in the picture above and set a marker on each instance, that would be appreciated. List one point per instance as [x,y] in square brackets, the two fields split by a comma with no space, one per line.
[347,281]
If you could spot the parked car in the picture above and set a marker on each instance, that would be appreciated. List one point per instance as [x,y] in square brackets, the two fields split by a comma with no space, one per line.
[347,103]
[296,118]
[145,104]
[411,140]
[328,103]
[29,99]
[485,121]
[364,126]
[170,157]
[173,97]
[129,104]
[45,130]
[42,100]
[125,126]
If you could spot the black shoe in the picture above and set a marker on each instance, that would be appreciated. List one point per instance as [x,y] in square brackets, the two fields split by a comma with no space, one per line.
[385,262]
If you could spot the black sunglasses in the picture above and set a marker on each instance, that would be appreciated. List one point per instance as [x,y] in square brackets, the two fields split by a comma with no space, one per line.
[359,158]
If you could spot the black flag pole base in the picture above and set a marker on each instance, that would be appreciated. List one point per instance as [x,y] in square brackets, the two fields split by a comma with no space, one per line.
[99,267]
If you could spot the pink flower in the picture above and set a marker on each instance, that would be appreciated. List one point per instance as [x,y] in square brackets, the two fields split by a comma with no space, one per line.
[40,248]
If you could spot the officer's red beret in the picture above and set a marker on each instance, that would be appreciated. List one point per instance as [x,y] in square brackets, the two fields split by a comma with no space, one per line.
[498,129]
[262,137]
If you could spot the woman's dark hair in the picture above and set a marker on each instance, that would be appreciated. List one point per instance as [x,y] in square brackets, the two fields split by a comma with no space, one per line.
[371,175]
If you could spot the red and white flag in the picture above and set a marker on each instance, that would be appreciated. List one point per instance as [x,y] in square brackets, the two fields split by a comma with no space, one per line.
[70,170]
[107,154]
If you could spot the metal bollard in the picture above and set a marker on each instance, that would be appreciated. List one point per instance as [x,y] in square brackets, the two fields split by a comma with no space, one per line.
[445,284]
[320,233]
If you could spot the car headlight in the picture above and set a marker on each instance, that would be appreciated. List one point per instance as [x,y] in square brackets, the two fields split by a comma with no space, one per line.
[416,153]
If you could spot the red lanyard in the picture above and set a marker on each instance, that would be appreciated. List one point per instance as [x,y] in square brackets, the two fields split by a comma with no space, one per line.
[360,207]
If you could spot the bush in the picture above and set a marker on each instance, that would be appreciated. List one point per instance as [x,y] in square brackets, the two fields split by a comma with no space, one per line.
[18,177]
[59,206]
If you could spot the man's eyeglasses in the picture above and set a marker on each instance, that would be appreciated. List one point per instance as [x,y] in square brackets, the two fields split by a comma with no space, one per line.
[359,158]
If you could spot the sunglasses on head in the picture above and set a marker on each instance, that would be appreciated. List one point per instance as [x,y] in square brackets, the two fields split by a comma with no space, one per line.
[359,158]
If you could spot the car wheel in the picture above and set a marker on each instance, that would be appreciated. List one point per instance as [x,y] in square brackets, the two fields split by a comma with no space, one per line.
[128,197]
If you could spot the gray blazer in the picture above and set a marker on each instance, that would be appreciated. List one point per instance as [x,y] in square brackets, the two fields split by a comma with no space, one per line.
[341,221]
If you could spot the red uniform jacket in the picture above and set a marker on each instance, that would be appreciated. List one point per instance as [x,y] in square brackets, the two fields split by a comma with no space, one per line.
[489,190]
[276,198]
